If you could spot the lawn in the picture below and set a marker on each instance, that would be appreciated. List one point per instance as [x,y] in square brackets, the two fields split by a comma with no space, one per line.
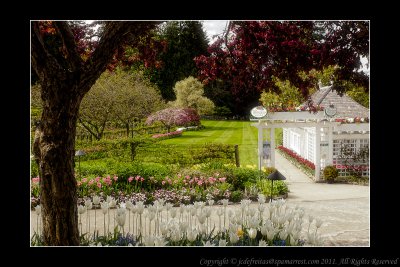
[225,132]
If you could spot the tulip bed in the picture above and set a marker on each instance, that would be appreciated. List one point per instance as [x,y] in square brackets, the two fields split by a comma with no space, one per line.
[199,224]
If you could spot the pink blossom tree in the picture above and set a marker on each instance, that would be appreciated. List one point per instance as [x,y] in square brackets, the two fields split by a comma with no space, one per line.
[174,117]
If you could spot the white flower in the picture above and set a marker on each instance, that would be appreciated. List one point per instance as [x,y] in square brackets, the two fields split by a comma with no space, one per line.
[38,210]
[208,212]
[88,204]
[202,218]
[318,223]
[202,229]
[192,235]
[208,244]
[113,203]
[264,230]
[139,207]
[164,228]
[160,241]
[148,241]
[121,217]
[293,240]
[262,243]
[261,208]
[310,219]
[151,215]
[96,200]
[252,233]
[104,207]
[175,235]
[225,202]
[261,198]
[182,208]
[168,206]
[173,213]
[283,234]
[109,199]
[254,222]
[99,244]
[222,243]
[129,205]
[81,209]
[211,202]
[220,212]
[233,237]
[183,226]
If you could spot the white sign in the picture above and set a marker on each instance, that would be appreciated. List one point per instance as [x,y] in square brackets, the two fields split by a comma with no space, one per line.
[258,112]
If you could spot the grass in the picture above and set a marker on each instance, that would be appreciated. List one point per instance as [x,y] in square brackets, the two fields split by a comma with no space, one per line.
[226,132]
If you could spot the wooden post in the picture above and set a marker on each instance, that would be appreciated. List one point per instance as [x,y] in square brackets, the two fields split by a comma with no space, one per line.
[237,156]
[317,152]
[273,147]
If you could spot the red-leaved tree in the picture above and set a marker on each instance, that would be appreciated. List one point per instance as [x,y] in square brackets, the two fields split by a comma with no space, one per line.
[170,117]
[251,52]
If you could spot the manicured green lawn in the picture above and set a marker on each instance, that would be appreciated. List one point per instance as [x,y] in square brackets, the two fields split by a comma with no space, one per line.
[226,132]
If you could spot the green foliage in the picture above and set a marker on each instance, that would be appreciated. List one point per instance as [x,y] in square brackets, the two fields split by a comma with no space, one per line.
[265,186]
[330,173]
[190,94]
[241,176]
[359,95]
[288,96]
[34,169]
[222,111]
[236,196]
[185,40]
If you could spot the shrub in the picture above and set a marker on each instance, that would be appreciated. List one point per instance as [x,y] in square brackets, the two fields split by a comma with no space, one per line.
[236,196]
[330,173]
[280,187]
[241,176]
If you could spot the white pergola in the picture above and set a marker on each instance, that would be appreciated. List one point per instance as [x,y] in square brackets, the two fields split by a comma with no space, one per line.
[324,126]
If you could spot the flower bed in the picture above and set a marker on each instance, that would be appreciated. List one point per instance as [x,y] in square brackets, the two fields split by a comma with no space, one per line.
[199,224]
[167,135]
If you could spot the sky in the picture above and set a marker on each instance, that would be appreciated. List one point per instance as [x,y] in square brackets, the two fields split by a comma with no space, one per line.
[213,27]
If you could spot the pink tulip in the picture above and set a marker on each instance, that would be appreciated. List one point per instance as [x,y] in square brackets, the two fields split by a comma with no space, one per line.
[91,181]
[130,179]
[99,185]
[84,180]
[115,178]
[222,179]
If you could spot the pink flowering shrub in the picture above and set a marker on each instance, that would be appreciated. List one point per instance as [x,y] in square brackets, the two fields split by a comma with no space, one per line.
[174,117]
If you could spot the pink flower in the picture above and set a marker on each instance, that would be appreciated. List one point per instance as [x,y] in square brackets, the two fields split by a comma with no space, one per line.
[142,179]
[84,180]
[115,178]
[99,185]
[97,179]
[137,178]
[187,177]
[79,183]
[130,179]
[91,181]
[199,182]
[163,182]
[35,180]
[222,179]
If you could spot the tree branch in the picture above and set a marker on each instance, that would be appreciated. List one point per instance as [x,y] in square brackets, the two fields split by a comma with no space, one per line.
[42,60]
[72,56]
[114,34]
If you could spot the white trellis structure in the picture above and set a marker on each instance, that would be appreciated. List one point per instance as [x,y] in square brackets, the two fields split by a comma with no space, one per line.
[314,136]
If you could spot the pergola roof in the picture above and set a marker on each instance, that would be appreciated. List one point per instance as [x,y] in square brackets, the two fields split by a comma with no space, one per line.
[345,106]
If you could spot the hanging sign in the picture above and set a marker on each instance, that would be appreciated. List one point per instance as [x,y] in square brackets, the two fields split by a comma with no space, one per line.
[259,112]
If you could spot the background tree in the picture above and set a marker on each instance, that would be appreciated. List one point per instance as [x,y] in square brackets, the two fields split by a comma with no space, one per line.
[65,76]
[251,52]
[135,98]
[97,106]
[185,40]
[287,97]
[170,117]
[190,94]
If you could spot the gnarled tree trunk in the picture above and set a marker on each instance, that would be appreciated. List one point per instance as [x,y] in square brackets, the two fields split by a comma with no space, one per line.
[54,150]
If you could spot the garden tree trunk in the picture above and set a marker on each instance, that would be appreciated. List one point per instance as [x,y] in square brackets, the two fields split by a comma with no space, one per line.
[65,78]
[54,148]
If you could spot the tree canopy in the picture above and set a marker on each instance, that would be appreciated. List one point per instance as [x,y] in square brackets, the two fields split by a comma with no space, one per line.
[252,52]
